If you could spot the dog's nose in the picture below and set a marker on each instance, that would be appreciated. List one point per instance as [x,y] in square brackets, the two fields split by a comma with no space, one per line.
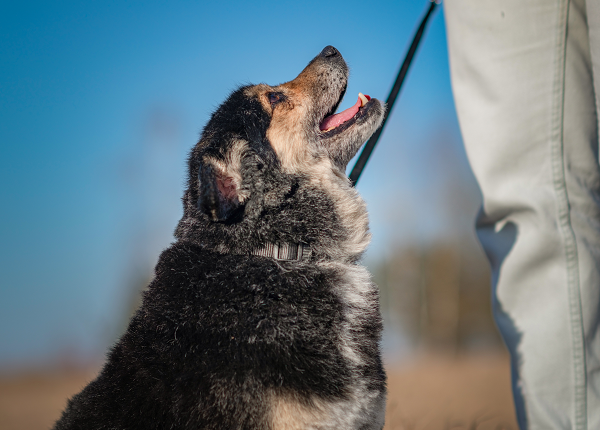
[329,51]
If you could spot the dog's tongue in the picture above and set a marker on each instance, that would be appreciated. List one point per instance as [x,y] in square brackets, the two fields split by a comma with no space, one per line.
[333,121]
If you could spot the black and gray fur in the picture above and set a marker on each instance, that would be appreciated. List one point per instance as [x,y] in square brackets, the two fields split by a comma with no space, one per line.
[226,339]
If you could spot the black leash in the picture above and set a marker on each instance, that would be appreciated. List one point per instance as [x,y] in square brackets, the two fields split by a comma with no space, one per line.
[368,149]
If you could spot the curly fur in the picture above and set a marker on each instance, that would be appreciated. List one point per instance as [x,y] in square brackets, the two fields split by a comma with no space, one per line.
[229,340]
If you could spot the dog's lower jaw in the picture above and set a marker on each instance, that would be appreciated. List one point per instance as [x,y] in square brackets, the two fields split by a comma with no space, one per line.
[343,145]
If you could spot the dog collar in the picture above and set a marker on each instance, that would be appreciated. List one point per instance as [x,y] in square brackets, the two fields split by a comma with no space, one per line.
[284,251]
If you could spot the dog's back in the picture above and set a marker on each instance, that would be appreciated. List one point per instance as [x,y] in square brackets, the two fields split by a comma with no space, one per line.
[259,316]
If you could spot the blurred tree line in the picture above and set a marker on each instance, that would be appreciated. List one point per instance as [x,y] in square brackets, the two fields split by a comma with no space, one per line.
[438,295]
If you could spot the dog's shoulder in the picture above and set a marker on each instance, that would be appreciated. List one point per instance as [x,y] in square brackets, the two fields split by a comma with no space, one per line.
[202,288]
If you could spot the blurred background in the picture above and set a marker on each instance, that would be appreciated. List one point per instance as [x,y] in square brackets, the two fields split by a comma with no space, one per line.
[100,103]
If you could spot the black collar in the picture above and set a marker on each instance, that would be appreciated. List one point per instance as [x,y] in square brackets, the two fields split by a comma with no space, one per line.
[284,251]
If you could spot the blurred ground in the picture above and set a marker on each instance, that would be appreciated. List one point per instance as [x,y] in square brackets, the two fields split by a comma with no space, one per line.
[467,392]
[470,392]
[35,400]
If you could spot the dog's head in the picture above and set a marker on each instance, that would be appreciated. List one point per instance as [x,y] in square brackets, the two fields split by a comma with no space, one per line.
[270,167]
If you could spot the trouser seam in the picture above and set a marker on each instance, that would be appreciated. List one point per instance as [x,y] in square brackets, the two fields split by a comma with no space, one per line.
[565,226]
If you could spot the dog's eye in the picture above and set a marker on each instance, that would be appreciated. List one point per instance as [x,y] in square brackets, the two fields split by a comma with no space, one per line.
[275,98]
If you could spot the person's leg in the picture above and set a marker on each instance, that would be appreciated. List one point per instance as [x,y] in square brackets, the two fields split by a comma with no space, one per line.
[522,81]
[592,297]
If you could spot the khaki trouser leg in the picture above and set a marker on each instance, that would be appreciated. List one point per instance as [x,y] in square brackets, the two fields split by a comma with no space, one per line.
[524,88]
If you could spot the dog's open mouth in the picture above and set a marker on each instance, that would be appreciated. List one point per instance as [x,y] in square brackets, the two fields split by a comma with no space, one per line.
[338,122]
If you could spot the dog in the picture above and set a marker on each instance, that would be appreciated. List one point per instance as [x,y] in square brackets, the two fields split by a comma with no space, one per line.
[260,315]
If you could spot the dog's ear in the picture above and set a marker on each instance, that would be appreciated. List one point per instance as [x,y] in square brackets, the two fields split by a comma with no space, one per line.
[221,191]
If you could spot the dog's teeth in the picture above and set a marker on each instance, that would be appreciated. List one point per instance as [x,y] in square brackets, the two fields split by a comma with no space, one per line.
[363,99]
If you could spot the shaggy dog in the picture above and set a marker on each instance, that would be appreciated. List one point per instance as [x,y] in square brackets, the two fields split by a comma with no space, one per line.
[259,315]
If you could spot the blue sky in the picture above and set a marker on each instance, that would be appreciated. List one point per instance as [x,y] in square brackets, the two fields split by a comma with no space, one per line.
[101,101]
